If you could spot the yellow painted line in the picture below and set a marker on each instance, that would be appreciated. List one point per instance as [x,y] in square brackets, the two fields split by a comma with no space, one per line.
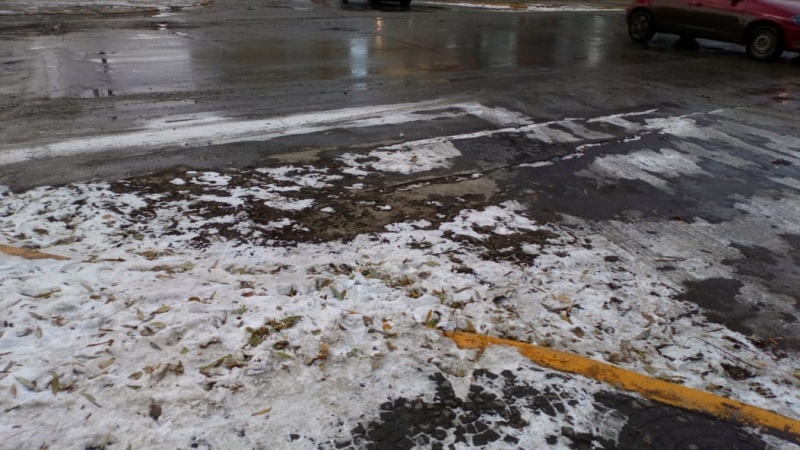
[28,254]
[651,388]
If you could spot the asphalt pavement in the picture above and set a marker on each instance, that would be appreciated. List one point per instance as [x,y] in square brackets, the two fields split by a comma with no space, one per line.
[68,77]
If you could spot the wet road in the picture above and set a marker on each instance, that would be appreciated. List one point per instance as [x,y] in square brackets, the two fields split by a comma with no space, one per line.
[69,76]
[708,197]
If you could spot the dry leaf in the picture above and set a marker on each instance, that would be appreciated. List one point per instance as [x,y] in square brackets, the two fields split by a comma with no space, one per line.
[216,363]
[563,298]
[339,295]
[109,342]
[55,386]
[161,310]
[28,384]
[91,399]
[390,346]
[104,364]
[323,351]
[135,375]
[470,328]
[262,412]
[139,314]
[47,294]
[155,379]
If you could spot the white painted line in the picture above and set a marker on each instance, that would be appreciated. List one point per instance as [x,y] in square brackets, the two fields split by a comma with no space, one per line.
[211,129]
[201,130]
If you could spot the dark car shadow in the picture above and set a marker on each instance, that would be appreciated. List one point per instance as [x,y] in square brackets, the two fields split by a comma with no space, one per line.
[686,43]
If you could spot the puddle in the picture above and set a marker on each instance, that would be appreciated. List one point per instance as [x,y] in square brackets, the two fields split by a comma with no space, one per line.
[720,297]
[105,63]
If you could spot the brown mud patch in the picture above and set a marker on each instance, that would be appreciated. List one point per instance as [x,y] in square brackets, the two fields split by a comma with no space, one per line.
[342,207]
[338,207]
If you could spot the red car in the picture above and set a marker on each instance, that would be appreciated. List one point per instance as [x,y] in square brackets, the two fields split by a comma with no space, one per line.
[765,27]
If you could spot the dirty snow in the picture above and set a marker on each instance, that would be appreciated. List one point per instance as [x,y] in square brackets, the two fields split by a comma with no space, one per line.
[243,345]
[652,167]
[141,338]
[406,158]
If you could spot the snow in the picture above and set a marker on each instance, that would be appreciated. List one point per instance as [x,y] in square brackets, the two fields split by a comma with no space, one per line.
[654,168]
[242,342]
[406,158]
[137,316]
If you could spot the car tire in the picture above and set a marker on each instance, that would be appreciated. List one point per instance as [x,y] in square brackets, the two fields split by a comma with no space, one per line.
[765,43]
[641,26]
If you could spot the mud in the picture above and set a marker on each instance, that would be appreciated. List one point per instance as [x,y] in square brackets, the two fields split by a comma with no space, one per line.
[356,211]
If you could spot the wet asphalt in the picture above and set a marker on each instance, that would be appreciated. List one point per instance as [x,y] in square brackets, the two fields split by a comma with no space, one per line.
[66,77]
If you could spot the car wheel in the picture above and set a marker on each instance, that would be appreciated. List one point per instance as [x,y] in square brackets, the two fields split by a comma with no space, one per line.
[641,26]
[765,43]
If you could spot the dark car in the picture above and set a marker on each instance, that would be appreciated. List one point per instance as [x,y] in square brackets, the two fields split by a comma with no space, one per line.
[765,27]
